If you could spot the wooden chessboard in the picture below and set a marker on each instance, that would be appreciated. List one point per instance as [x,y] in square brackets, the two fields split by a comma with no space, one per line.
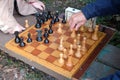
[47,55]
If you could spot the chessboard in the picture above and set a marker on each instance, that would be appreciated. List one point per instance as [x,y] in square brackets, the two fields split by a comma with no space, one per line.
[64,52]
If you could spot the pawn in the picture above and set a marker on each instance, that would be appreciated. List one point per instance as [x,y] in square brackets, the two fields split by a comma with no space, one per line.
[95,34]
[65,53]
[53,21]
[61,60]
[69,62]
[73,34]
[46,34]
[59,28]
[75,44]
[22,44]
[82,28]
[78,53]
[38,25]
[17,38]
[26,23]
[71,50]
[46,41]
[29,38]
[50,31]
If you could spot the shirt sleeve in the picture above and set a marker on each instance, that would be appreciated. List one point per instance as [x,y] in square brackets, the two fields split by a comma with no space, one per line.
[101,8]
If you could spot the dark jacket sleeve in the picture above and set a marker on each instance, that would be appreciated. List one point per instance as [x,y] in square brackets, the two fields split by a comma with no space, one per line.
[101,8]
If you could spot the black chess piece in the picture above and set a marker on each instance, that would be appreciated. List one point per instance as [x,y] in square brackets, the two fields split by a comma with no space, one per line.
[64,20]
[38,25]
[53,21]
[22,44]
[41,21]
[46,34]
[49,14]
[17,38]
[50,31]
[39,36]
[44,16]
[46,41]
[56,17]
[29,39]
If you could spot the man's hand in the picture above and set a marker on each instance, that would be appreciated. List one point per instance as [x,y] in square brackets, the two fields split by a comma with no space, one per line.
[77,20]
[40,5]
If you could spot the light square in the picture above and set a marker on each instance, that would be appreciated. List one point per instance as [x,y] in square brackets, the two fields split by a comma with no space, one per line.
[29,49]
[54,46]
[43,55]
[41,47]
[56,53]
[57,63]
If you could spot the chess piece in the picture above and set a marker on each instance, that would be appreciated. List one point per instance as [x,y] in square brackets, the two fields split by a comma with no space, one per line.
[61,60]
[59,28]
[78,53]
[73,34]
[69,62]
[26,23]
[61,45]
[22,44]
[41,21]
[65,53]
[46,41]
[78,39]
[71,50]
[56,17]
[29,39]
[82,28]
[90,28]
[49,14]
[39,35]
[38,25]
[53,21]
[95,34]
[17,38]
[75,44]
[46,34]
[50,31]
[64,21]
[83,48]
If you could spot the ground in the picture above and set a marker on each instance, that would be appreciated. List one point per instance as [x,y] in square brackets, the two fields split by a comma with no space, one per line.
[12,69]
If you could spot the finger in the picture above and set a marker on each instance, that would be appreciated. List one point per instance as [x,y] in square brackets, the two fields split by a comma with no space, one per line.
[78,25]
